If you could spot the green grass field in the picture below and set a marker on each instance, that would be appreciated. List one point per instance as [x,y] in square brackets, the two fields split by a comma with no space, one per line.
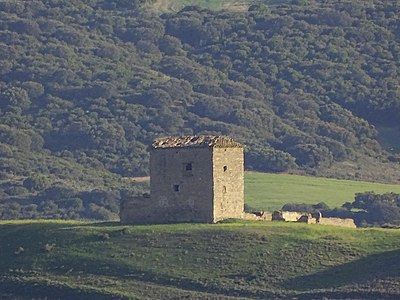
[248,260]
[271,191]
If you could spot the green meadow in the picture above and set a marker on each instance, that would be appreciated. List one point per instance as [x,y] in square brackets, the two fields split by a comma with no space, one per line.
[233,260]
[266,191]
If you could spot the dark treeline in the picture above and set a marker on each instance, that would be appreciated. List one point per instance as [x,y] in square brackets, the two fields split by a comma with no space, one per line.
[86,85]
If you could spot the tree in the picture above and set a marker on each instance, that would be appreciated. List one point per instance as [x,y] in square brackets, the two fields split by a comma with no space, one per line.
[36,183]
[14,97]
[380,209]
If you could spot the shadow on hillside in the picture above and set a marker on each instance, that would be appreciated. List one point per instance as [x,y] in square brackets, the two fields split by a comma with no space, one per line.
[56,224]
[357,294]
[17,288]
[102,266]
[372,267]
[102,224]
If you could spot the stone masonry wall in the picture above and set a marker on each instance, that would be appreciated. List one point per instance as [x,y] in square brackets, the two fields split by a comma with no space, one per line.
[181,184]
[288,216]
[228,175]
[308,219]
[190,184]
[138,210]
[338,222]
[257,216]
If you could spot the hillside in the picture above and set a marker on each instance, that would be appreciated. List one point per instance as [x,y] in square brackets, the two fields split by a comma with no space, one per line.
[223,261]
[86,85]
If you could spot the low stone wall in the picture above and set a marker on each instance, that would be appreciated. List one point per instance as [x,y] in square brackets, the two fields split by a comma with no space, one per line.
[338,222]
[314,218]
[141,210]
[288,216]
[145,210]
[257,216]
[138,210]
[308,219]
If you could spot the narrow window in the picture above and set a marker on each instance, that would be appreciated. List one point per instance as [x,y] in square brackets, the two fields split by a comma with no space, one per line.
[225,168]
[224,189]
[187,169]
[176,187]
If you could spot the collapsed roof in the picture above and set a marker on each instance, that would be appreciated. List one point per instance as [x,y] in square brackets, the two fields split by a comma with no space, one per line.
[200,141]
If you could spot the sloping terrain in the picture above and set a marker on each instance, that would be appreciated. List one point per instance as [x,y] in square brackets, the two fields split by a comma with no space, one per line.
[86,85]
[96,82]
[223,261]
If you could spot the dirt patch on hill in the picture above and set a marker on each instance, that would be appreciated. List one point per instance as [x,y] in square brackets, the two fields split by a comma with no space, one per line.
[239,6]
[161,4]
[138,179]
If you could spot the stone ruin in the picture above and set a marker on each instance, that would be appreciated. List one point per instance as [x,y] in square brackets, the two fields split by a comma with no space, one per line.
[192,179]
[201,179]
[292,216]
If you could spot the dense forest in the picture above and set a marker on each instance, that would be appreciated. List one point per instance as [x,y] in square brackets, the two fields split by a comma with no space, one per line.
[86,85]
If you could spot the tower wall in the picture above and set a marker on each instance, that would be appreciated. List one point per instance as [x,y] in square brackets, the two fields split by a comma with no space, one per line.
[228,177]
[182,184]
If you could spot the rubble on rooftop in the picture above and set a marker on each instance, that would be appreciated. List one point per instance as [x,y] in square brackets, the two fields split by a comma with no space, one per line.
[201,141]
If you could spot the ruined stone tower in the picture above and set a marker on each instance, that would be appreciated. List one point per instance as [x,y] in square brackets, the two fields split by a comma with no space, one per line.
[193,179]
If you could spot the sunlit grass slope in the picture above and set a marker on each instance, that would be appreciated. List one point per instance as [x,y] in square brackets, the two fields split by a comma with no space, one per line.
[72,260]
[175,5]
[210,4]
[271,191]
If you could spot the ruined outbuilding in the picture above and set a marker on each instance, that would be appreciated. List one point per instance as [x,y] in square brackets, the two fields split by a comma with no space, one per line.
[192,179]
[311,218]
[201,179]
[302,217]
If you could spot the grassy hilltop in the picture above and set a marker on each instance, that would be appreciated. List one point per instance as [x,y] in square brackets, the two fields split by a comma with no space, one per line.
[240,260]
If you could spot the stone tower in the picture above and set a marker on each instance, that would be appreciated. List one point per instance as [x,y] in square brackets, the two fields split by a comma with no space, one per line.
[192,179]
